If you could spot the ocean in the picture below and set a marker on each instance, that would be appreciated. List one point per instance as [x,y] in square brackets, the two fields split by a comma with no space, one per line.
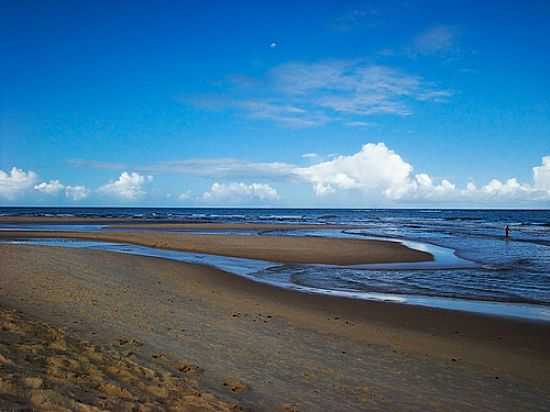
[490,268]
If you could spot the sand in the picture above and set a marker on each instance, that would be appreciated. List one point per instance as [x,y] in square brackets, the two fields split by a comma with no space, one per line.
[271,248]
[160,223]
[271,349]
[43,368]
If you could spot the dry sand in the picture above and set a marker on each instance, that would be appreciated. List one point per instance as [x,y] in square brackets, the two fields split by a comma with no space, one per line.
[283,249]
[41,368]
[271,349]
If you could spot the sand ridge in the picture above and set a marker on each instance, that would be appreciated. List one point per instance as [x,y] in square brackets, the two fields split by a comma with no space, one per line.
[284,249]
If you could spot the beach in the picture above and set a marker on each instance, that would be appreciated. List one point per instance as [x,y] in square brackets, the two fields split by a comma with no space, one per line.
[275,206]
[259,347]
[270,248]
[44,368]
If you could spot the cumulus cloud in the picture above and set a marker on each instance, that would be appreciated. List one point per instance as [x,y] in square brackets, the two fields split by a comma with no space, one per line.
[187,195]
[422,187]
[373,168]
[16,182]
[76,193]
[380,172]
[241,192]
[52,187]
[509,190]
[129,186]
[375,172]
[541,174]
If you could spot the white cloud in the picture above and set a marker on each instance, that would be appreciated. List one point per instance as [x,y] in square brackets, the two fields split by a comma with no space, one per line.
[76,193]
[373,168]
[310,155]
[302,95]
[496,188]
[375,172]
[508,190]
[240,192]
[284,114]
[129,186]
[357,124]
[187,195]
[94,164]
[354,88]
[16,182]
[541,174]
[273,45]
[434,40]
[50,188]
[303,78]
[378,171]
[221,168]
[422,187]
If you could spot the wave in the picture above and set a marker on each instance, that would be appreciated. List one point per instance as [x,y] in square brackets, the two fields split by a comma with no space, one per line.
[282,217]
[466,218]
[537,224]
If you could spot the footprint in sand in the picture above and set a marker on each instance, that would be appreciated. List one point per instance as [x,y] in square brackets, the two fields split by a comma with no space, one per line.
[187,368]
[235,386]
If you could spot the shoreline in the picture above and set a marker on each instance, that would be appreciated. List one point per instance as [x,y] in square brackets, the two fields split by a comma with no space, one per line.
[110,294]
[247,268]
[245,265]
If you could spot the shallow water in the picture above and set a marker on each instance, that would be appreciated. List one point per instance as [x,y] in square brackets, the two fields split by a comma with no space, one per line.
[285,276]
[473,263]
[491,269]
[51,227]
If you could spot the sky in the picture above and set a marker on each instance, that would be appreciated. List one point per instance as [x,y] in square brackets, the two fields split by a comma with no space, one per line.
[275,104]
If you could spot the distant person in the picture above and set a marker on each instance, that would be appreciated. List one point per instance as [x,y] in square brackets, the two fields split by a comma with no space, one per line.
[506,232]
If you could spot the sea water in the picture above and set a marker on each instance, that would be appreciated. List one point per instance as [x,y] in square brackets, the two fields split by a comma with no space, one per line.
[480,266]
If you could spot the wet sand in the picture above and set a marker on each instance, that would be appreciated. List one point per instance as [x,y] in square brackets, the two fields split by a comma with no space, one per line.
[161,223]
[284,249]
[269,349]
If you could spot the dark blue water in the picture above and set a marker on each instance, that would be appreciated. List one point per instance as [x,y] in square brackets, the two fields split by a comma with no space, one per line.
[536,218]
[514,270]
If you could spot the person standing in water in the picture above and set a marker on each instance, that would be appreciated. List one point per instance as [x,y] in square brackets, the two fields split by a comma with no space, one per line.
[506,232]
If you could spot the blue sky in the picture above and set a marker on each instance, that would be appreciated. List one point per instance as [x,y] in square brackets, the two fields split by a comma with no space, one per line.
[290,104]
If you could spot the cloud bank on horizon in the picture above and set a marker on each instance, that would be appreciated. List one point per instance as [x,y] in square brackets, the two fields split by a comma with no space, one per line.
[374,172]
